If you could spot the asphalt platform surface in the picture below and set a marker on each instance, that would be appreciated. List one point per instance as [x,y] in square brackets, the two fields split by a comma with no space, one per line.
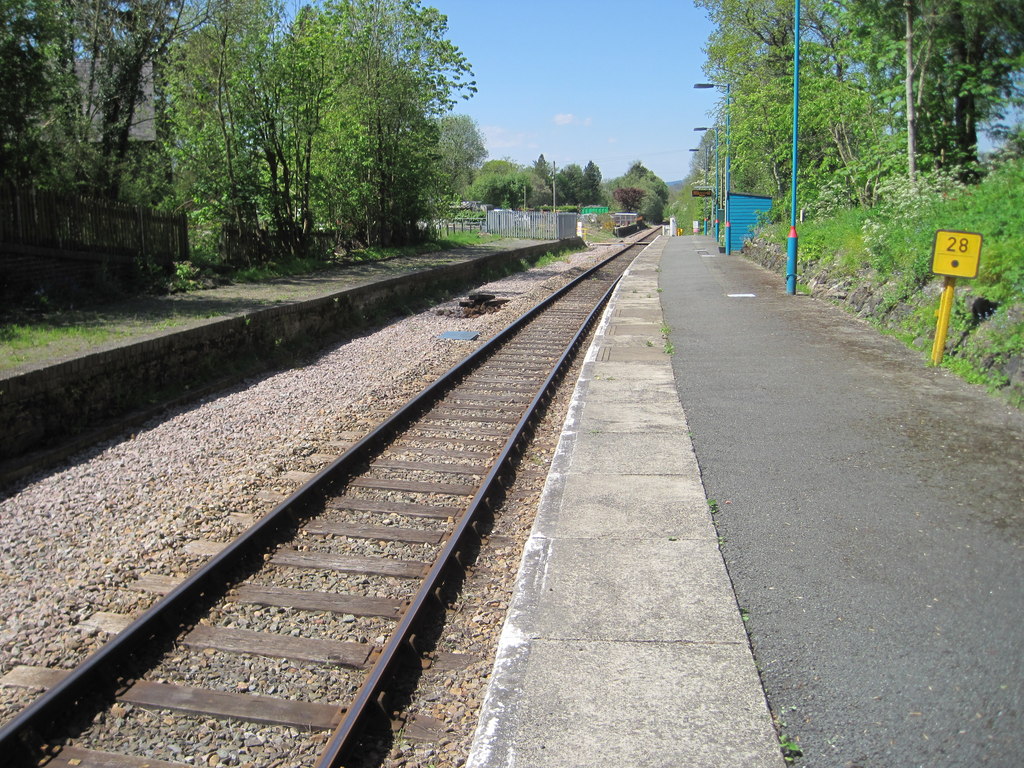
[871,514]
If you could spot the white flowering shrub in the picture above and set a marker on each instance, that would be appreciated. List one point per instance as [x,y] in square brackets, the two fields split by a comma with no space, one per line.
[904,202]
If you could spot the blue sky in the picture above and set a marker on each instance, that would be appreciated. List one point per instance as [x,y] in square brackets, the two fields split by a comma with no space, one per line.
[577,81]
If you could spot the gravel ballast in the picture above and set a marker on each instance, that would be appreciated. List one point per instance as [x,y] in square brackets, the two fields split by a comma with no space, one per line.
[76,539]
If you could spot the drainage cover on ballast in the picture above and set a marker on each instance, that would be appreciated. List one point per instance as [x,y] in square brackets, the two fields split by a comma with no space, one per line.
[461,335]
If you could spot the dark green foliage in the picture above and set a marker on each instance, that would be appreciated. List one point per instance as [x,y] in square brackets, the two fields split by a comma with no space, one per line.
[268,128]
[569,185]
[641,191]
[629,198]
[854,130]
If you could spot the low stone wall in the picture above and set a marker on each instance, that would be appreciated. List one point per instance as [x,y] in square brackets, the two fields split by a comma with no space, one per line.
[629,229]
[983,343]
[44,406]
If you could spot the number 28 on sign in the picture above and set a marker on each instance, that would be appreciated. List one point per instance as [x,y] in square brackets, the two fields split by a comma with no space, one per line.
[954,254]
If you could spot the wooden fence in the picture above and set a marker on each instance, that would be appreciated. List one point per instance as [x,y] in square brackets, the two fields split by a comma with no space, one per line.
[53,224]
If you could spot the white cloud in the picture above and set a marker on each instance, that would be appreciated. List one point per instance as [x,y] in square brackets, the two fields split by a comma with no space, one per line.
[501,138]
[567,118]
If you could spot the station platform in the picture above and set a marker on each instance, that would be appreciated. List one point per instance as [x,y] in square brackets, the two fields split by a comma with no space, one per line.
[624,645]
[870,526]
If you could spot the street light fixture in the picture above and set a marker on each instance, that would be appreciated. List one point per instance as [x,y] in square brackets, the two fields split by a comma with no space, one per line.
[716,200]
[791,244]
[728,157]
[703,207]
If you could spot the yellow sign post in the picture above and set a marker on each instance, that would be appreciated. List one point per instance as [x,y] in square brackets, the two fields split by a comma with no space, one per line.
[954,254]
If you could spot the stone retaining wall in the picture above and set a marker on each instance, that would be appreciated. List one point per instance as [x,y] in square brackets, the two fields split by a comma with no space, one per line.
[44,406]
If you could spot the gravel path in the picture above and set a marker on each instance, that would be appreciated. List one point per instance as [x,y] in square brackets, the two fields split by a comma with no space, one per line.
[75,539]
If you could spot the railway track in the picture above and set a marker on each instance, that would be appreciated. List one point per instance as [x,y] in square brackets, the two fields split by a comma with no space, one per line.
[297,628]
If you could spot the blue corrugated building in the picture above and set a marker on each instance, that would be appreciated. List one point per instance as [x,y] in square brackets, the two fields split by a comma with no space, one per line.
[744,214]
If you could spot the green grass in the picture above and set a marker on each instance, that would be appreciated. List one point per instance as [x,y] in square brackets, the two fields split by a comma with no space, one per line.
[895,239]
[187,273]
[17,338]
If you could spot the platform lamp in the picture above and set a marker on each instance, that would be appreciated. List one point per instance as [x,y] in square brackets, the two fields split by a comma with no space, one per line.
[791,244]
[703,216]
[716,201]
[728,178]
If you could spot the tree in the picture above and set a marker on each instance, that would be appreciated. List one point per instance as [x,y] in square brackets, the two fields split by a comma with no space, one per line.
[543,169]
[655,192]
[36,80]
[120,50]
[590,191]
[462,151]
[629,198]
[398,74]
[333,116]
[569,182]
[959,61]
[503,184]
[211,84]
[887,88]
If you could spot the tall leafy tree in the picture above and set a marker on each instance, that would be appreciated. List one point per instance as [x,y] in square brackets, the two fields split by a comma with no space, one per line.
[629,198]
[503,184]
[218,157]
[398,73]
[887,86]
[569,182]
[654,192]
[462,151]
[36,81]
[590,191]
[959,62]
[331,117]
[120,48]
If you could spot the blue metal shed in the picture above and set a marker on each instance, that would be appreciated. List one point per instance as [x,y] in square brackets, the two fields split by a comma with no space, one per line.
[744,214]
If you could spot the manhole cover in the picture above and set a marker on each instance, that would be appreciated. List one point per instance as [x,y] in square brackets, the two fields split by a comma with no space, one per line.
[460,335]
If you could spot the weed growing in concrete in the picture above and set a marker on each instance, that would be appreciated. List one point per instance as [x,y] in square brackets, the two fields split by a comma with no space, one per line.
[790,747]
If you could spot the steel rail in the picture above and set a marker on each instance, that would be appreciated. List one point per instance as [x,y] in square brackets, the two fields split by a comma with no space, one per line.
[104,671]
[342,739]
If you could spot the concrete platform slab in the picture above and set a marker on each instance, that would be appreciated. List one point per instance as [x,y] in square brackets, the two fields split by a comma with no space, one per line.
[646,416]
[612,391]
[593,506]
[655,590]
[701,709]
[630,354]
[658,453]
[626,373]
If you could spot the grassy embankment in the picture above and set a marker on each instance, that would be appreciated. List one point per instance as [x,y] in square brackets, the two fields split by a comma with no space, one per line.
[882,257]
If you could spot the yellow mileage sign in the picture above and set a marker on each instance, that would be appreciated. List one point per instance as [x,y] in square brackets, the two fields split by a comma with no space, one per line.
[955,254]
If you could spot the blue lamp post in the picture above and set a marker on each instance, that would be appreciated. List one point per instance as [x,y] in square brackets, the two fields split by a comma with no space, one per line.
[728,158]
[716,200]
[791,243]
[704,220]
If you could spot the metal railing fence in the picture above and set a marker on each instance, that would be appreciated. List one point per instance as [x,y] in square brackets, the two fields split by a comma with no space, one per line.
[532,225]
